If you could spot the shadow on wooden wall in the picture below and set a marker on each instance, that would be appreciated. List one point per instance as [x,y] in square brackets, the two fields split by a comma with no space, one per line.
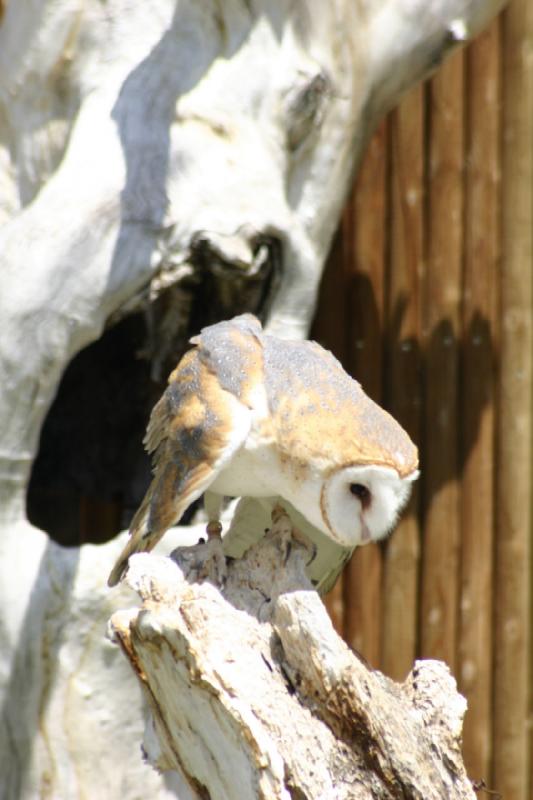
[427,300]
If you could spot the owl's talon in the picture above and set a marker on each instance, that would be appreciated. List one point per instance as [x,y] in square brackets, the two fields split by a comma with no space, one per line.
[283,526]
[203,561]
[314,552]
[214,567]
[306,543]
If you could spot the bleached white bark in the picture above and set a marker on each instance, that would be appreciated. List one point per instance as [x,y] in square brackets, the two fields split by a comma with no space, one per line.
[138,142]
[72,721]
[253,694]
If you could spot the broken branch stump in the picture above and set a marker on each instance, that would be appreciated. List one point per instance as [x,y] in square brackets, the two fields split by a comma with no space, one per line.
[254,695]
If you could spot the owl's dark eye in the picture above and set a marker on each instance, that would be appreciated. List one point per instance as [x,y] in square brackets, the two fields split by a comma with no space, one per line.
[362,493]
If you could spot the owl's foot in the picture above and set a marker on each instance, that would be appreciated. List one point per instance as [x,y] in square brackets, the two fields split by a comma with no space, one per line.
[203,561]
[283,527]
[214,568]
[302,539]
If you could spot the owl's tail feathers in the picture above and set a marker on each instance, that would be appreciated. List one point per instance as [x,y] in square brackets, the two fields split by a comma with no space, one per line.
[141,540]
[160,509]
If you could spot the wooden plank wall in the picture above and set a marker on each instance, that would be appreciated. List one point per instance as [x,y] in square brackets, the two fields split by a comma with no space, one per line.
[427,300]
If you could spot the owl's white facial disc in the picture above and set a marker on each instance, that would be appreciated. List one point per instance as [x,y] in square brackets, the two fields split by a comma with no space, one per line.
[361,504]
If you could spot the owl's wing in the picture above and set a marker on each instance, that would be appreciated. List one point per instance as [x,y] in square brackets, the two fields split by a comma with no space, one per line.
[252,517]
[194,430]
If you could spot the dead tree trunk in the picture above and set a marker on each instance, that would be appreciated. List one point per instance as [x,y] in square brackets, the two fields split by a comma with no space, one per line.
[190,146]
[253,694]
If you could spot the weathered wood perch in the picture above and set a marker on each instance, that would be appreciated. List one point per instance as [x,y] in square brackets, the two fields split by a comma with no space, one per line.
[253,694]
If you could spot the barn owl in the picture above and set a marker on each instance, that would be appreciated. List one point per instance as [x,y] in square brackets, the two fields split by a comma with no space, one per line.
[246,414]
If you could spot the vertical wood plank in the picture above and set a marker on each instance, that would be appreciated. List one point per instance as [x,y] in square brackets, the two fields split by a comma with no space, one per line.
[475,580]
[513,550]
[478,384]
[402,373]
[441,335]
[365,237]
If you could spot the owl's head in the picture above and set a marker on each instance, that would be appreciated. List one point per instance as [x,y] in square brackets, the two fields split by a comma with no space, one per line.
[360,504]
